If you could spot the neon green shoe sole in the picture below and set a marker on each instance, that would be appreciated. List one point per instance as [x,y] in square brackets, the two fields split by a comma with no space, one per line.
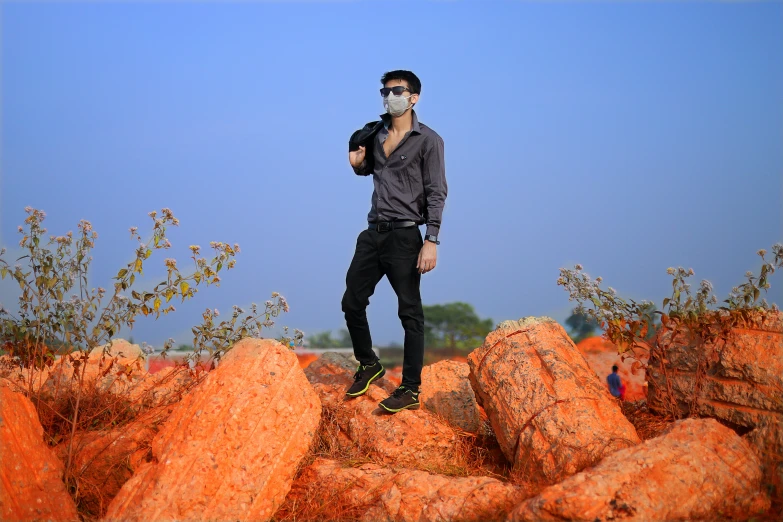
[408,407]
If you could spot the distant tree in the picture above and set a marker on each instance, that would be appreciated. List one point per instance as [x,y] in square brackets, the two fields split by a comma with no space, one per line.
[455,326]
[345,339]
[581,327]
[325,340]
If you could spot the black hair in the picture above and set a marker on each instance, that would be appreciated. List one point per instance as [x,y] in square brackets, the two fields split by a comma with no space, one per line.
[414,84]
[614,368]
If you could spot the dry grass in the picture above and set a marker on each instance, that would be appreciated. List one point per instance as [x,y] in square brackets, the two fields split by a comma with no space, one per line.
[648,425]
[96,474]
[313,499]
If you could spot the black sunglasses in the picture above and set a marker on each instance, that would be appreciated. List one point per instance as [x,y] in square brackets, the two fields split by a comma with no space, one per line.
[397,90]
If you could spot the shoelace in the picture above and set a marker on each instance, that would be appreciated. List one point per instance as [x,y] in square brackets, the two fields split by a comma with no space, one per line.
[358,375]
[399,392]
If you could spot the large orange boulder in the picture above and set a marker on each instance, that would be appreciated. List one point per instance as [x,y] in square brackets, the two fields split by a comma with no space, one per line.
[737,379]
[697,470]
[551,413]
[163,387]
[413,438]
[373,493]
[31,476]
[446,391]
[230,449]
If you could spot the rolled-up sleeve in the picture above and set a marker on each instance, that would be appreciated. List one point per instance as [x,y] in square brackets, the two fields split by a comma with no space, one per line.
[362,169]
[434,179]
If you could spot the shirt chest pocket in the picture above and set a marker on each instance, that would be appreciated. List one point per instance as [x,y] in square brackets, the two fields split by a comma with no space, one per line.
[400,173]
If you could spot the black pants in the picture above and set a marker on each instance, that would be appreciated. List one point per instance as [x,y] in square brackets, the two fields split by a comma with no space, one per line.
[393,254]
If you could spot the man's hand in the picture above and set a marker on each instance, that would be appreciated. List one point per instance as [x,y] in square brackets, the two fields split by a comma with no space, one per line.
[356,157]
[428,257]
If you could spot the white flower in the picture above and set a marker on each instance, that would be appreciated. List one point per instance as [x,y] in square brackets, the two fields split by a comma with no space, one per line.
[216,312]
[670,270]
[578,266]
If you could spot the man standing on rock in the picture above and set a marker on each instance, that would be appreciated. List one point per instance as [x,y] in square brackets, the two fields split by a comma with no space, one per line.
[409,179]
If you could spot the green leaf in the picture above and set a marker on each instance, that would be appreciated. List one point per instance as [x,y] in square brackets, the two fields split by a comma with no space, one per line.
[122,273]
[755,294]
[132,279]
[156,304]
[183,286]
[3,272]
[148,253]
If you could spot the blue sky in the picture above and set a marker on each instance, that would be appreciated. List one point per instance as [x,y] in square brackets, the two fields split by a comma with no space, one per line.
[625,137]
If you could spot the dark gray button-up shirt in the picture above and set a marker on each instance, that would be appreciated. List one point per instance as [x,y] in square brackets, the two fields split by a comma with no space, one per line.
[411,183]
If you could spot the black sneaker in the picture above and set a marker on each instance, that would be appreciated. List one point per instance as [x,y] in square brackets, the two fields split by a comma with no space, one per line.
[364,376]
[401,399]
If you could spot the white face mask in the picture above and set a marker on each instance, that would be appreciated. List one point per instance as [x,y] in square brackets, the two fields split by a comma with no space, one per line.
[396,105]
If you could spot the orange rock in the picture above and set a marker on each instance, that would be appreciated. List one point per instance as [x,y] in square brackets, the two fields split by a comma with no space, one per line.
[31,485]
[741,379]
[446,391]
[164,387]
[230,448]
[115,366]
[373,493]
[698,469]
[601,355]
[305,359]
[738,380]
[104,461]
[549,411]
[413,438]
[394,375]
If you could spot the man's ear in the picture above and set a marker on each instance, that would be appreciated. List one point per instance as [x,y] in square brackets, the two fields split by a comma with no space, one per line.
[414,98]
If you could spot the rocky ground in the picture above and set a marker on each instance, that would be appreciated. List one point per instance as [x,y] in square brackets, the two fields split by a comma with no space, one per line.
[524,430]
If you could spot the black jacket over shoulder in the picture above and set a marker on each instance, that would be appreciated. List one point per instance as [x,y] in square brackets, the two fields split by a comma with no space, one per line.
[365,137]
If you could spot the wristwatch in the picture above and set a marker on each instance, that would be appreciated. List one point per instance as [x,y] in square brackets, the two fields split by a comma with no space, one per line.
[432,239]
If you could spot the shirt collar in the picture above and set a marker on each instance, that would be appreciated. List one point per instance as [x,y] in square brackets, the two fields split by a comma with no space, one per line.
[415,119]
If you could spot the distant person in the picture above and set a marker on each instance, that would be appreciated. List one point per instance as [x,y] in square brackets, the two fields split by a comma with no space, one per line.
[406,161]
[614,383]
